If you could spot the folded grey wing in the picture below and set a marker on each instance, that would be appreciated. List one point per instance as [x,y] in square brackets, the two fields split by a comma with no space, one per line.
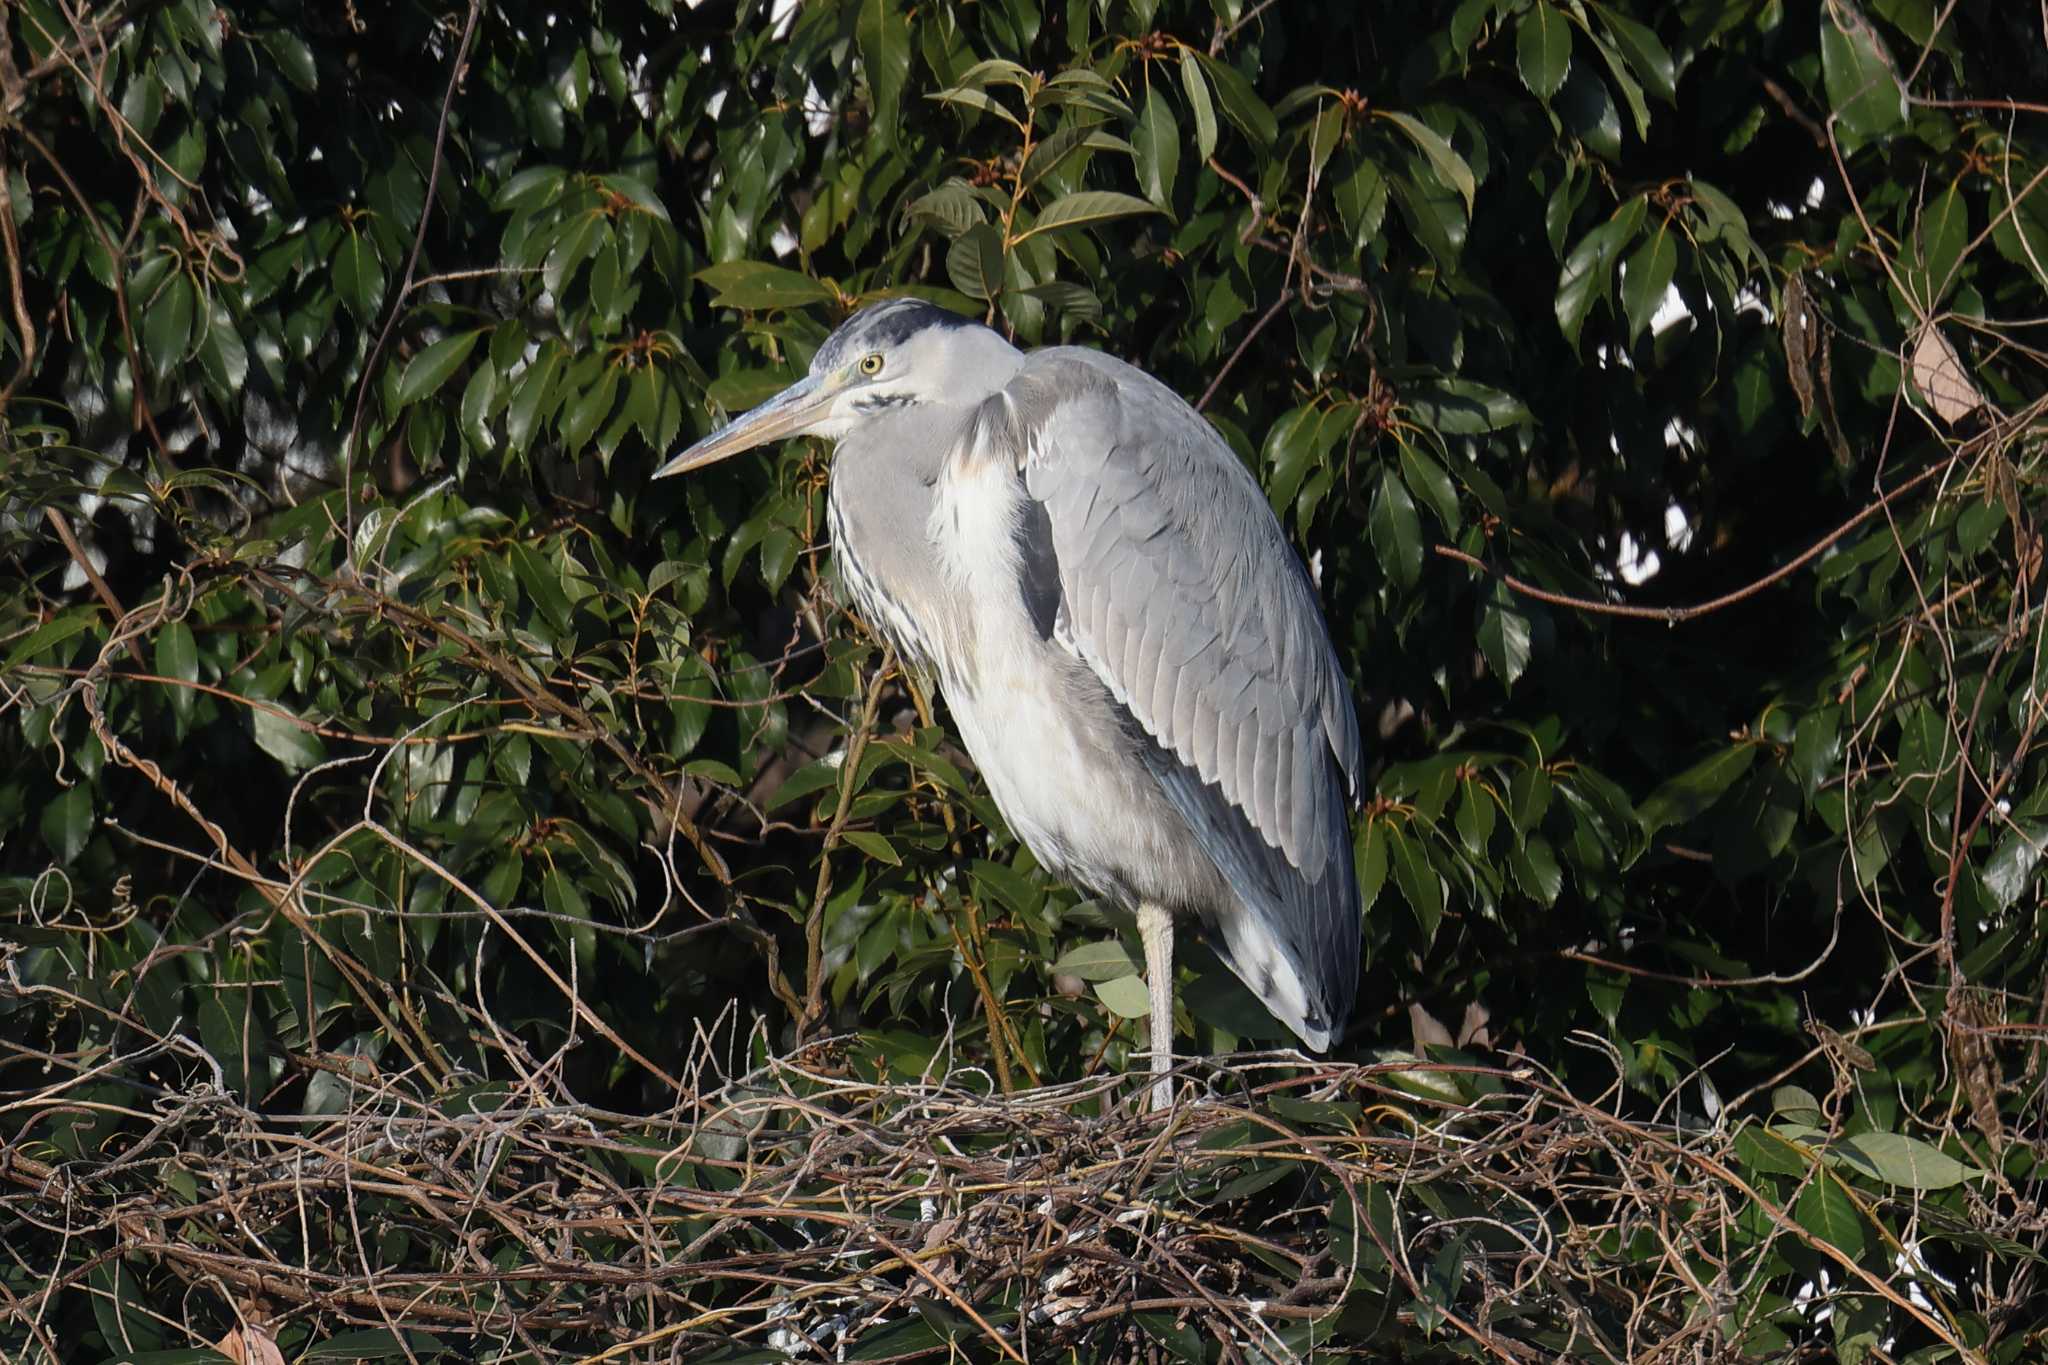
[1178,587]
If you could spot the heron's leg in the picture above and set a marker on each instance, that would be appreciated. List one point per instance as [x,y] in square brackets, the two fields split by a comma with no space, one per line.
[1155,927]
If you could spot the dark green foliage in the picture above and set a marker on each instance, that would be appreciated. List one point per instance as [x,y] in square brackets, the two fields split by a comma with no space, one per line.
[401,728]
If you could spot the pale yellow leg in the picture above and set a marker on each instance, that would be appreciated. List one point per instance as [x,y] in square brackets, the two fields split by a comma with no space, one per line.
[1155,927]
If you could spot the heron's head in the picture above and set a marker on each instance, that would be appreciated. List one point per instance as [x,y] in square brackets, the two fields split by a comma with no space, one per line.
[891,355]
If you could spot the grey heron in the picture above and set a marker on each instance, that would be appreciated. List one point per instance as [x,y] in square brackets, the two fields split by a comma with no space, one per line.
[1131,650]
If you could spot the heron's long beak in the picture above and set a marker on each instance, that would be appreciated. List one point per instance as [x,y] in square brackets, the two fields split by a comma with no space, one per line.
[789,413]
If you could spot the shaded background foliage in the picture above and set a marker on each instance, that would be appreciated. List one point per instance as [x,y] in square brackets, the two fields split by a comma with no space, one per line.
[370,714]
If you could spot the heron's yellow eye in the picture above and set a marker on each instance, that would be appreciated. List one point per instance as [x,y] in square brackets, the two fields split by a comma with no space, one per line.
[871,364]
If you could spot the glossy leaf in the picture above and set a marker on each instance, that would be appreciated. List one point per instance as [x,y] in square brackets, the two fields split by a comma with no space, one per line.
[1450,168]
[1104,961]
[1902,1161]
[1505,635]
[1645,275]
[756,284]
[434,365]
[1543,48]
[975,263]
[1862,82]
[67,822]
[1199,104]
[1396,530]
[884,37]
[1087,206]
[1241,105]
[1157,140]
[359,276]
[1125,996]
[1694,790]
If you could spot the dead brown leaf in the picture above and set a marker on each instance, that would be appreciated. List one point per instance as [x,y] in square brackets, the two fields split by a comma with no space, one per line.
[250,1346]
[1939,375]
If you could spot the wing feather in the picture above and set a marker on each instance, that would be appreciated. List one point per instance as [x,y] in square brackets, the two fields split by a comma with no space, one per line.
[1179,588]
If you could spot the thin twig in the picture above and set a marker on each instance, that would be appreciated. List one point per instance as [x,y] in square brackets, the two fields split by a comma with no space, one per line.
[1673,615]
[412,260]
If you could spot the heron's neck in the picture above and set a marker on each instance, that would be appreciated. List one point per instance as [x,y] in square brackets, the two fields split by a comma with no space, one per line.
[883,477]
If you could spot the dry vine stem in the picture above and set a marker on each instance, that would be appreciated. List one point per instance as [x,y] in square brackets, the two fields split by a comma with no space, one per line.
[796,1205]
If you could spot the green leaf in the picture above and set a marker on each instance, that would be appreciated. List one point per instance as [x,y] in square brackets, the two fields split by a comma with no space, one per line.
[1587,108]
[1543,49]
[952,208]
[1646,55]
[1826,1211]
[1905,1162]
[167,326]
[1241,104]
[1362,200]
[814,776]
[1427,480]
[1450,168]
[1436,217]
[1369,858]
[542,585]
[1586,275]
[67,822]
[1104,961]
[1199,104]
[1536,870]
[586,412]
[1862,82]
[534,395]
[884,38]
[51,633]
[430,369]
[756,284]
[1816,747]
[874,845]
[1420,885]
[359,275]
[635,191]
[2021,235]
[1940,238]
[177,656]
[1797,1105]
[1765,1149]
[1396,530]
[1475,818]
[577,242]
[1157,145]
[223,353]
[2011,867]
[1291,447]
[1529,794]
[1645,275]
[114,1306]
[1505,632]
[282,736]
[1860,1323]
[376,1343]
[293,57]
[1457,406]
[1179,1338]
[1086,206]
[975,263]
[1694,790]
[1125,996]
[1631,92]
[479,402]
